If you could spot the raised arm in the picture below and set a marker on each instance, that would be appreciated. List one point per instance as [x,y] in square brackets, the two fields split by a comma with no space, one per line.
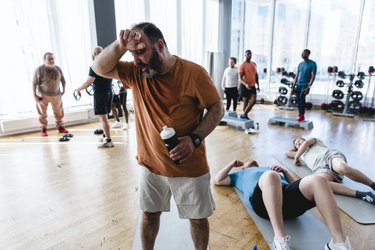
[291,153]
[105,63]
[222,178]
[302,149]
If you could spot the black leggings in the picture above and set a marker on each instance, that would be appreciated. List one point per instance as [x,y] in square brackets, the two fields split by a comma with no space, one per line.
[231,93]
[301,98]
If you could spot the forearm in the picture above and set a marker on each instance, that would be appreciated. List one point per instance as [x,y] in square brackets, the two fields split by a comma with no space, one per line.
[223,174]
[108,59]
[311,81]
[300,151]
[84,85]
[210,120]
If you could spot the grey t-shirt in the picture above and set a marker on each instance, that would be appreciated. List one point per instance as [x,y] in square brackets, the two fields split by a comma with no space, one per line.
[313,153]
[48,80]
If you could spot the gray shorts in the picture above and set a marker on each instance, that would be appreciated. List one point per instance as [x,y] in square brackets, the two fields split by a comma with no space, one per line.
[192,195]
[324,164]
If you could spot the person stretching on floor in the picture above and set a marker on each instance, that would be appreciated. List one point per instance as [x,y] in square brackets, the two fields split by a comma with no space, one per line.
[275,194]
[332,165]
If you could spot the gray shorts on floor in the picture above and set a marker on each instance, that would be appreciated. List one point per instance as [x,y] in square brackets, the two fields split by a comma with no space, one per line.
[324,164]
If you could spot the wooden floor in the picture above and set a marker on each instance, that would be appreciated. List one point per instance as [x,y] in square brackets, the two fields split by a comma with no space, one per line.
[72,195]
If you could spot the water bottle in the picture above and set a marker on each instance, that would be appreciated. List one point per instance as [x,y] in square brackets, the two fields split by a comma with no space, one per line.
[257,127]
[168,135]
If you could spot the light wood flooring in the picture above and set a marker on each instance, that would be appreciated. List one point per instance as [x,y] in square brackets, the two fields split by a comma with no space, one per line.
[72,195]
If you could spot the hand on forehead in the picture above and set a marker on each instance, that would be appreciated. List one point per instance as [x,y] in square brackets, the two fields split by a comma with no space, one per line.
[132,39]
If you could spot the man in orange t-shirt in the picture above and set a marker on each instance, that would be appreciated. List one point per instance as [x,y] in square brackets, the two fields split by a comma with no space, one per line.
[249,77]
[167,91]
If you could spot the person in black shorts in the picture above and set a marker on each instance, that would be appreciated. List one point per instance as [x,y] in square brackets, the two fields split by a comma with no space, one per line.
[102,99]
[277,195]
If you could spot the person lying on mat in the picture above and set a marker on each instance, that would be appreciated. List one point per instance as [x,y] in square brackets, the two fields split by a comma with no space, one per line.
[332,165]
[276,194]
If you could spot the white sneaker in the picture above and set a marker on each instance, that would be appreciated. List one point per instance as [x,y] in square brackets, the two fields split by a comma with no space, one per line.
[101,139]
[117,124]
[126,126]
[282,243]
[106,144]
[339,246]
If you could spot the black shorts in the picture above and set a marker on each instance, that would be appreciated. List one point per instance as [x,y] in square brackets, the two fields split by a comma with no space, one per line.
[247,92]
[103,103]
[294,203]
[231,92]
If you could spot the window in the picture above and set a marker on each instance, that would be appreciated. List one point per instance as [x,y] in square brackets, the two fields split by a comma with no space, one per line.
[33,28]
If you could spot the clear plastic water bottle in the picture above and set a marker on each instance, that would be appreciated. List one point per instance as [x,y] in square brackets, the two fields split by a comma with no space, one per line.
[257,127]
[168,135]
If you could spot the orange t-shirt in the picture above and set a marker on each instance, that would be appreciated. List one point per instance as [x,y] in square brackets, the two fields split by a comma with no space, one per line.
[250,70]
[175,99]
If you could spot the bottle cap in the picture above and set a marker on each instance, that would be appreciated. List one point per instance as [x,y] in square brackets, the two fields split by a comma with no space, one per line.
[167,133]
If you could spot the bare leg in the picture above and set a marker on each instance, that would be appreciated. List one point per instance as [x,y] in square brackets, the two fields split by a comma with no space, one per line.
[114,112]
[318,189]
[251,104]
[341,189]
[341,167]
[126,113]
[105,124]
[245,103]
[199,229]
[270,184]
[150,229]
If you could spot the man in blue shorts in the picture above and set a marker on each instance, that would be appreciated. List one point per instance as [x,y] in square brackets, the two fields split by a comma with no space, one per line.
[102,99]
[303,81]
[275,194]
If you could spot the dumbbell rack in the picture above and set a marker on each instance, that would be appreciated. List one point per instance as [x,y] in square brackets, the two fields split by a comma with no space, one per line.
[356,95]
[284,102]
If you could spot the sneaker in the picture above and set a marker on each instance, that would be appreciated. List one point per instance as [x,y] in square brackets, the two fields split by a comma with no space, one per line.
[61,129]
[282,243]
[117,124]
[126,126]
[44,132]
[244,117]
[102,139]
[301,118]
[370,197]
[339,246]
[106,144]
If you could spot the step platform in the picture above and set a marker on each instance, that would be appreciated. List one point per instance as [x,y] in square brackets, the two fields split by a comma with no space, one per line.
[290,122]
[231,113]
[238,122]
